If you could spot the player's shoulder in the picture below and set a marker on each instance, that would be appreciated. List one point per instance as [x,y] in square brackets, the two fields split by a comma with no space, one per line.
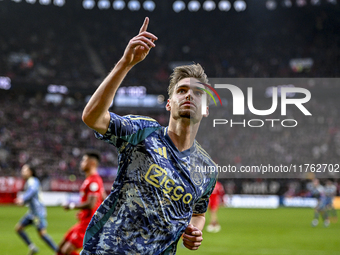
[219,185]
[93,177]
[204,155]
[33,181]
[206,160]
[97,178]
[93,182]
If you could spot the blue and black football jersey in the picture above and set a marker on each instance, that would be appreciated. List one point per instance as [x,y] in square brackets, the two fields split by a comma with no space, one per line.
[32,197]
[156,191]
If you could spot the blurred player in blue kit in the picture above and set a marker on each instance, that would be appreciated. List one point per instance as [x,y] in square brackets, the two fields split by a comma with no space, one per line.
[37,211]
[157,195]
[325,197]
[330,192]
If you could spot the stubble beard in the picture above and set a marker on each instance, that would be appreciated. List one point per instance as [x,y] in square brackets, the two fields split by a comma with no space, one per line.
[188,115]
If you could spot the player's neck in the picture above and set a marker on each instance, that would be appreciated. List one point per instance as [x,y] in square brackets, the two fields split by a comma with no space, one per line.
[90,172]
[183,136]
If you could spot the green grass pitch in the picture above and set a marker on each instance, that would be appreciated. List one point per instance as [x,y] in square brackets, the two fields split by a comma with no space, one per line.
[283,231]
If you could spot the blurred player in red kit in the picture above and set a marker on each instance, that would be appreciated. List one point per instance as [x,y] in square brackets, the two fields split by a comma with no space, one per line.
[215,200]
[92,194]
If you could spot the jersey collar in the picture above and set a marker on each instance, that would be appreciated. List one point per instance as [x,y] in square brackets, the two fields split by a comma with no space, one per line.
[180,154]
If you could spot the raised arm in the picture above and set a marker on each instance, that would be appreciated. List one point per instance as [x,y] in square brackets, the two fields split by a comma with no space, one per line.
[96,114]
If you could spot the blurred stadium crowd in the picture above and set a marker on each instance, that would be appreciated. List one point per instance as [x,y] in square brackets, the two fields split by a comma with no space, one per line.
[77,49]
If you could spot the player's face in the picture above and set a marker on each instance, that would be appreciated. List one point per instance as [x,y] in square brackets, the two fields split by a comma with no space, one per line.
[186,100]
[85,163]
[25,172]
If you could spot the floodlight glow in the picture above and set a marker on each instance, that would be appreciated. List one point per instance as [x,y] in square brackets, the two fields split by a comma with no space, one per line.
[118,5]
[134,5]
[224,6]
[240,5]
[103,4]
[59,3]
[31,1]
[17,1]
[88,4]
[194,6]
[332,1]
[209,6]
[271,5]
[149,5]
[301,3]
[287,3]
[315,2]
[45,2]
[178,6]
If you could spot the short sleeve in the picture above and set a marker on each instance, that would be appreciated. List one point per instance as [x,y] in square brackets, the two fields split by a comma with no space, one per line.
[94,187]
[201,206]
[130,128]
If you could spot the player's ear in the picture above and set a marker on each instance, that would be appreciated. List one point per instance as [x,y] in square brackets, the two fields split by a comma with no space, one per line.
[167,106]
[207,114]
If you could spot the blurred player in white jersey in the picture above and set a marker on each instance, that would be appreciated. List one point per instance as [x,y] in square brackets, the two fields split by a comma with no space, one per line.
[37,212]
[330,192]
[318,191]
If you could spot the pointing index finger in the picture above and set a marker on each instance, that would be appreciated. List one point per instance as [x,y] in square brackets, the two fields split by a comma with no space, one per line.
[145,25]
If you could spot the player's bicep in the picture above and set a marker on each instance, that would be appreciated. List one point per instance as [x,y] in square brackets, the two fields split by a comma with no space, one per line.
[102,124]
[92,200]
[94,194]
[117,127]
[98,121]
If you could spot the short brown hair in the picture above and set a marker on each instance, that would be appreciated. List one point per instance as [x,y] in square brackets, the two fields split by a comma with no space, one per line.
[93,154]
[187,71]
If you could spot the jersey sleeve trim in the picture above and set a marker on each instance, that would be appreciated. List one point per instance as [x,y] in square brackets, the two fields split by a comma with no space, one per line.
[140,135]
[210,187]
[142,118]
[129,128]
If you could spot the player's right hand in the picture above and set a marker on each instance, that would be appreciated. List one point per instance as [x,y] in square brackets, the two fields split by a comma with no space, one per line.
[192,237]
[69,206]
[19,201]
[139,46]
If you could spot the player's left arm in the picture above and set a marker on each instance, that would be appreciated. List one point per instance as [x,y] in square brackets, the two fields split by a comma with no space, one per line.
[94,193]
[198,220]
[88,204]
[192,237]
